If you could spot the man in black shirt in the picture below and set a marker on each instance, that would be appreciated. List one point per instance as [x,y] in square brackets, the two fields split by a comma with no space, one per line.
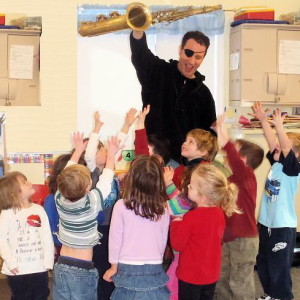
[178,98]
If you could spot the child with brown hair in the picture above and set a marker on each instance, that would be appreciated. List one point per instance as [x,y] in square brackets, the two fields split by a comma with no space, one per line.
[240,242]
[277,221]
[95,156]
[198,234]
[78,207]
[26,244]
[138,234]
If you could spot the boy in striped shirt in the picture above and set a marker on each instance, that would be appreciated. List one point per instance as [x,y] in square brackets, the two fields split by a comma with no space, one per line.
[78,208]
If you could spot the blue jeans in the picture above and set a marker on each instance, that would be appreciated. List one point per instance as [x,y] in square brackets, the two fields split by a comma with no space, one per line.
[74,283]
[140,282]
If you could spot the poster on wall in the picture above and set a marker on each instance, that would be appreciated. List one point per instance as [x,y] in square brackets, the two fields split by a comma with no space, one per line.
[2,143]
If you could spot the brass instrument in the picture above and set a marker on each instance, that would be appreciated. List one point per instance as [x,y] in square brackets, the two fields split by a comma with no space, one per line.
[139,17]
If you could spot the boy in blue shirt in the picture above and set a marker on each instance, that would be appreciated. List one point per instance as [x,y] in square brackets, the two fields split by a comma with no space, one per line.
[277,221]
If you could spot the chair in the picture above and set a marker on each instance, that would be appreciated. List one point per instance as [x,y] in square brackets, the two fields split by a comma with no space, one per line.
[41,192]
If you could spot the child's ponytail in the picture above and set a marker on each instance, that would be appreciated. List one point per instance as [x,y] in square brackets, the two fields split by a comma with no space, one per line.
[228,202]
[214,185]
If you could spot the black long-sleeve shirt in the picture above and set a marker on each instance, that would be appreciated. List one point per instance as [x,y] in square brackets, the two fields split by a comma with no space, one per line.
[178,104]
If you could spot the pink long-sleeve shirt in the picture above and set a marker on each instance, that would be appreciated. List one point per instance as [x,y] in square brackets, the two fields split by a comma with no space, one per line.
[135,240]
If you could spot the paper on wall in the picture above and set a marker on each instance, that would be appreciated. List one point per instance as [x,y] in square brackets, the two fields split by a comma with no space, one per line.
[289,57]
[21,62]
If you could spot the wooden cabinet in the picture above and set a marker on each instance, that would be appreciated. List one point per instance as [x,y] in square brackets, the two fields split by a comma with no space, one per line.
[264,64]
[19,67]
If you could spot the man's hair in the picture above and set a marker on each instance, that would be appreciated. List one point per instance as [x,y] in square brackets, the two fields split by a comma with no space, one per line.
[197,36]
[10,190]
[206,141]
[253,153]
[144,187]
[73,181]
[295,138]
[58,165]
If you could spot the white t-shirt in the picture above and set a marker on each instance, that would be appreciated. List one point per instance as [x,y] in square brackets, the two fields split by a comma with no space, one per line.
[25,240]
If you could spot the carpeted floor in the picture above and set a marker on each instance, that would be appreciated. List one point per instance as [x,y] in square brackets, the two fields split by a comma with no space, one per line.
[5,291]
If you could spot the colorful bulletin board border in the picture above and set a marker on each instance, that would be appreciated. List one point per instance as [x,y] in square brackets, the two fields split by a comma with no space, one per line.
[29,158]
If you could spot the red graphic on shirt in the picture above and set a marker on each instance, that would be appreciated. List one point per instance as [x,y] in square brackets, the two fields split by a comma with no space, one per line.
[34,220]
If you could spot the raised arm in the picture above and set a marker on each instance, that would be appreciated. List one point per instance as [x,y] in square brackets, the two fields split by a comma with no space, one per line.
[130,117]
[91,149]
[141,143]
[222,131]
[262,116]
[79,146]
[284,141]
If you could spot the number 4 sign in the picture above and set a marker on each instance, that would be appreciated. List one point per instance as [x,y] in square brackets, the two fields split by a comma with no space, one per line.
[128,155]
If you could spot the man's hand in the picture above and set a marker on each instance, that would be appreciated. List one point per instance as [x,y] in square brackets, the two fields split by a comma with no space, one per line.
[137,34]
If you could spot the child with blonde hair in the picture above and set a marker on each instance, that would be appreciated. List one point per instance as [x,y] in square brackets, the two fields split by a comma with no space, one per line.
[26,244]
[277,221]
[198,234]
[138,234]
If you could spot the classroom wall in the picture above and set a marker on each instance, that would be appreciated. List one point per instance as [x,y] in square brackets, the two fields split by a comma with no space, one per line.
[47,128]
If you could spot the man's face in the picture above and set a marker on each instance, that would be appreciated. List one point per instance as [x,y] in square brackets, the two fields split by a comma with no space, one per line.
[189,65]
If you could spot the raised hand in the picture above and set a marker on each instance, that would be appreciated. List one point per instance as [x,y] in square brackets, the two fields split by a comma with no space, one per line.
[258,112]
[221,130]
[278,118]
[129,120]
[98,123]
[168,175]
[113,146]
[142,116]
[79,145]
[78,141]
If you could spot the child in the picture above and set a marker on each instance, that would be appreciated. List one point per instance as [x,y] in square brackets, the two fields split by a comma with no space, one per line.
[95,155]
[49,205]
[138,234]
[152,144]
[277,219]
[74,274]
[199,147]
[240,242]
[198,235]
[26,244]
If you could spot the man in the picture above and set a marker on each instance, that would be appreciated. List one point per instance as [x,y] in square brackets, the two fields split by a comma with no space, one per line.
[179,99]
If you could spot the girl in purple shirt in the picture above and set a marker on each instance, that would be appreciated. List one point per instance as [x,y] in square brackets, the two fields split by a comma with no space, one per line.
[138,234]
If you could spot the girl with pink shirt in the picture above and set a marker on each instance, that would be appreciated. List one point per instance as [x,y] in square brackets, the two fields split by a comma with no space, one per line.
[138,234]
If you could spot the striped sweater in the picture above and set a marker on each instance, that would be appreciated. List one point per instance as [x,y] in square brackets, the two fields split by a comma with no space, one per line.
[177,204]
[78,220]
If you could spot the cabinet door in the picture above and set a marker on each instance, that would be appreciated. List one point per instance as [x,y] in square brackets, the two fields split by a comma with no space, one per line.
[3,68]
[289,84]
[23,91]
[258,64]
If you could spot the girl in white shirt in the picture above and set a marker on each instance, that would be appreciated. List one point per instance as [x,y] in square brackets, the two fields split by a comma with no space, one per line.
[26,244]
